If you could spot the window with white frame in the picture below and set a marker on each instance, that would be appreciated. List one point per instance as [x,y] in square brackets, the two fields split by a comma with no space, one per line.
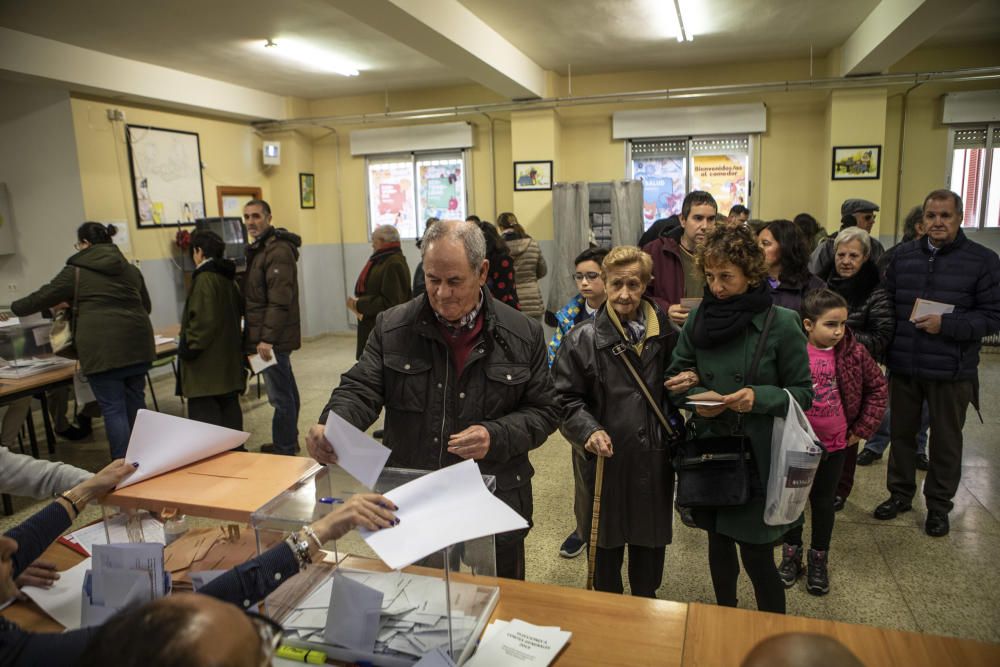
[974,173]
[670,168]
[406,189]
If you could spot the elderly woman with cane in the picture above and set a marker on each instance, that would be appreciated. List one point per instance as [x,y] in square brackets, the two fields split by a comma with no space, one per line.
[608,374]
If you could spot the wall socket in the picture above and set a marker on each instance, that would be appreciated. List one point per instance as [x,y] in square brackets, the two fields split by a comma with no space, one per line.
[116,114]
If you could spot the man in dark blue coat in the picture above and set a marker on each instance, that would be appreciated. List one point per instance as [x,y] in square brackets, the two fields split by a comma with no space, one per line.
[935,357]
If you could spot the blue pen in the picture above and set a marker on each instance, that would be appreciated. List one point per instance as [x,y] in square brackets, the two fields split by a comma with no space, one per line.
[327,500]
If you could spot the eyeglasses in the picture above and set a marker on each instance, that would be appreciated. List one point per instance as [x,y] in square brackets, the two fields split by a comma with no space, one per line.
[590,276]
[269,631]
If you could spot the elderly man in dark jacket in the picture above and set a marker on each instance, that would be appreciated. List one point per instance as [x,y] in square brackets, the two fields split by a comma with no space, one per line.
[271,297]
[384,282]
[461,376]
[935,357]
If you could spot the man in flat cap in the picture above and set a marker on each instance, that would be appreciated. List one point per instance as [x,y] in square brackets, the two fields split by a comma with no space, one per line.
[853,213]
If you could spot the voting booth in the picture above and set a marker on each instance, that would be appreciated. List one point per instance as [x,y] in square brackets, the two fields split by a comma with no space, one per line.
[353,607]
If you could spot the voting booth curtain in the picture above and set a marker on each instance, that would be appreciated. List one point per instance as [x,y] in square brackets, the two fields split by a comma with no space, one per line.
[571,222]
[626,212]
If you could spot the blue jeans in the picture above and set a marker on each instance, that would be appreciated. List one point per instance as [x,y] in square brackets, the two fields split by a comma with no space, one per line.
[283,395]
[121,393]
[880,441]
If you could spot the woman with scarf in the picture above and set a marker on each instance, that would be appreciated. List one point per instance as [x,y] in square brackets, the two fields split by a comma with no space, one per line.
[384,282]
[605,415]
[718,342]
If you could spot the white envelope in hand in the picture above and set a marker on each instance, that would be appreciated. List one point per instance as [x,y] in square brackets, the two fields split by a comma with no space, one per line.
[353,616]
[361,456]
[161,443]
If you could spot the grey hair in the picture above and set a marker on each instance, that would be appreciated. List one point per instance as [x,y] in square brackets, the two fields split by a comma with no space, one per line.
[466,233]
[849,234]
[387,233]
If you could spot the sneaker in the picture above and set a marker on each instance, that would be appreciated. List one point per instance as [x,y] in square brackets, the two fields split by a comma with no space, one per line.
[791,564]
[923,463]
[269,448]
[572,546]
[818,578]
[890,508]
[937,524]
[73,433]
[867,457]
[838,503]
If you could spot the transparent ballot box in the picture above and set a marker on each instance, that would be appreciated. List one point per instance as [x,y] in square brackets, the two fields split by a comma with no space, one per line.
[442,601]
[25,349]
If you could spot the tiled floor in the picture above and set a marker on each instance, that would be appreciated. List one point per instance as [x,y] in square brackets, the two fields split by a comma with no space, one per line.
[882,573]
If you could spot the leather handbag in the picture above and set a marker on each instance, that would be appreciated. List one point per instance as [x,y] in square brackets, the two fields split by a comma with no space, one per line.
[715,472]
[61,334]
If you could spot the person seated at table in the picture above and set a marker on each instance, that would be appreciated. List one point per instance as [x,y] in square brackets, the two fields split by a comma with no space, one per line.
[800,649]
[605,416]
[243,585]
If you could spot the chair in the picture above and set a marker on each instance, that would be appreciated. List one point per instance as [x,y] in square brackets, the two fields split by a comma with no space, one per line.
[149,380]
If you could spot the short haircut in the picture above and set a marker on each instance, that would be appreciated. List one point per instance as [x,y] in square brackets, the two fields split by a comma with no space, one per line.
[156,633]
[733,243]
[210,243]
[95,233]
[807,224]
[259,202]
[739,209]
[819,301]
[473,218]
[466,233]
[848,234]
[386,233]
[595,254]
[794,250]
[625,255]
[697,198]
[942,194]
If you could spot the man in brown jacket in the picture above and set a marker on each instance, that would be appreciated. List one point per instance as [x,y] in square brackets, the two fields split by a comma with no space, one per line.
[271,296]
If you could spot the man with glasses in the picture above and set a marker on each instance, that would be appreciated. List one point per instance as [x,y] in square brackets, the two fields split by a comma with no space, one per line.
[853,213]
[674,274]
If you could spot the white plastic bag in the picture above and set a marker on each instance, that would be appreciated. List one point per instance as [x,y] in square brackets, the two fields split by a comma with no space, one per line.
[795,455]
[81,387]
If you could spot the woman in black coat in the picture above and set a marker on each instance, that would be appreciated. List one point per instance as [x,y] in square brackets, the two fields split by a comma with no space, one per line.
[606,415]
[786,256]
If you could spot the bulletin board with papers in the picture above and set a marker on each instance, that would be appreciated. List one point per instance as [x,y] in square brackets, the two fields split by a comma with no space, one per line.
[165,166]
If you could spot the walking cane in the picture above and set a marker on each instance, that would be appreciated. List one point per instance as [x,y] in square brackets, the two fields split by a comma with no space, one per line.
[595,519]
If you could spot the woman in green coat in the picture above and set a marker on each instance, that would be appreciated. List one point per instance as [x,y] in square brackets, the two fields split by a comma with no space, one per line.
[718,342]
[211,340]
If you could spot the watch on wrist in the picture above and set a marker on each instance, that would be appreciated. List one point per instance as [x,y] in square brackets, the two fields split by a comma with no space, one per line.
[299,547]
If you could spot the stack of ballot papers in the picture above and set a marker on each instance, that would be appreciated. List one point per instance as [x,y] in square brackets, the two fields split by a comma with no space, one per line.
[518,643]
[392,613]
[88,536]
[122,575]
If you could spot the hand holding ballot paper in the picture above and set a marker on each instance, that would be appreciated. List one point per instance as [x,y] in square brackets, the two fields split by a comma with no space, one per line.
[926,314]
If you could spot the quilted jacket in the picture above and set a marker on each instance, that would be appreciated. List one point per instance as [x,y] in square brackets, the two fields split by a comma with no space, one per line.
[864,392]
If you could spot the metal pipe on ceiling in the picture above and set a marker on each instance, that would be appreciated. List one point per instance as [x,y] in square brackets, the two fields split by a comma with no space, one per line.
[664,94]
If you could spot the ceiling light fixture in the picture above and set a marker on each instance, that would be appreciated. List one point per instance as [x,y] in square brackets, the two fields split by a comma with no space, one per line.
[682,33]
[311,56]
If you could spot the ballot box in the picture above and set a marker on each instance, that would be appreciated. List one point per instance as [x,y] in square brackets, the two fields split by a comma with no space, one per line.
[25,349]
[352,607]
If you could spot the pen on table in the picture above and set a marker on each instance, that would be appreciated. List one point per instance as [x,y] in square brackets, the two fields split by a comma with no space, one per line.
[327,500]
[74,546]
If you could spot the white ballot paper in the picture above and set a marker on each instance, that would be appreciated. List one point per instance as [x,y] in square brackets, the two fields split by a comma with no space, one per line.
[88,536]
[519,643]
[361,456]
[437,657]
[437,510]
[257,364]
[922,307]
[161,443]
[352,619]
[62,601]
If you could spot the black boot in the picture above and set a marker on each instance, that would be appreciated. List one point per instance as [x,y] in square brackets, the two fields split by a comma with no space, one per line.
[791,564]
[818,579]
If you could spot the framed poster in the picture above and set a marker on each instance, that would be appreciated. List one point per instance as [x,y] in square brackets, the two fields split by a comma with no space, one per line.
[856,162]
[391,198]
[441,189]
[535,175]
[307,191]
[165,166]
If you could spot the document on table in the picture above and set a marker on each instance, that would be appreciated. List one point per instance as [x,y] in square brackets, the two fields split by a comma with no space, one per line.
[354,610]
[161,443]
[257,364]
[923,307]
[437,510]
[88,536]
[63,601]
[146,558]
[518,643]
[359,455]
[162,340]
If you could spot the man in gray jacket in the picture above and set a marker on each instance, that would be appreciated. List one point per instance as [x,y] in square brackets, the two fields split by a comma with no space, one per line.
[461,376]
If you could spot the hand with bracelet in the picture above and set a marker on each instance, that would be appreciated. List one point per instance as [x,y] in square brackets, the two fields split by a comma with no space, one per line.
[102,483]
[363,510]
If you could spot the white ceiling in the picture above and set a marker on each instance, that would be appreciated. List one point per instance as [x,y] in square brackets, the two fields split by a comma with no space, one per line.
[220,39]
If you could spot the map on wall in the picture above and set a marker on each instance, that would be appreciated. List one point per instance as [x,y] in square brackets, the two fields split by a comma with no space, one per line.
[165,167]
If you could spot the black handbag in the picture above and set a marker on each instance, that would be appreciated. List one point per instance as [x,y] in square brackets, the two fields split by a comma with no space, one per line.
[715,472]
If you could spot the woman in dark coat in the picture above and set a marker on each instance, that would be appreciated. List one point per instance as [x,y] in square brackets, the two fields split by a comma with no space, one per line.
[605,414]
[112,331]
[786,256]
[500,279]
[870,317]
[718,342]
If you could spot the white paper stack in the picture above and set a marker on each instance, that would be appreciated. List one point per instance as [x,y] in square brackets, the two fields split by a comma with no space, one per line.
[389,613]
[518,643]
